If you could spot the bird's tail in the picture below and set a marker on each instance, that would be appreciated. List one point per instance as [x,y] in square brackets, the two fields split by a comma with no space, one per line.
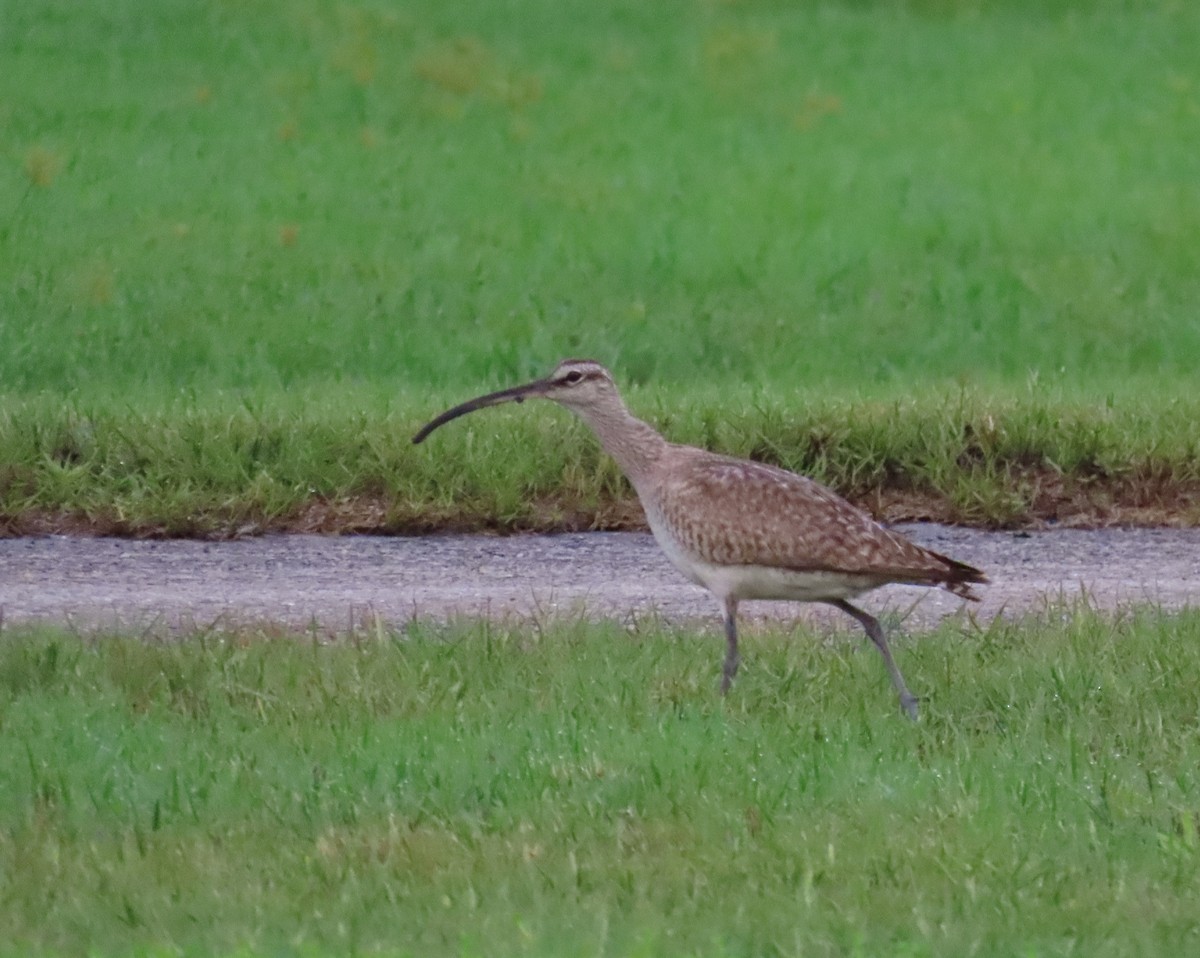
[958,577]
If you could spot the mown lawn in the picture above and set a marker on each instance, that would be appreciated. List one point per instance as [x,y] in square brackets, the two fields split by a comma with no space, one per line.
[582,789]
[770,218]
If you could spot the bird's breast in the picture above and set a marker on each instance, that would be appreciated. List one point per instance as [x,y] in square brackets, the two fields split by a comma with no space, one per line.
[750,580]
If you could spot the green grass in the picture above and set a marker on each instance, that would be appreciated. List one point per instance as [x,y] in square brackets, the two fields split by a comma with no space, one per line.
[582,789]
[223,467]
[382,205]
[293,194]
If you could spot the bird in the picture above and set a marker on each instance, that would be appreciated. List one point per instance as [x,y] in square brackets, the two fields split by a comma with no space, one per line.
[742,529]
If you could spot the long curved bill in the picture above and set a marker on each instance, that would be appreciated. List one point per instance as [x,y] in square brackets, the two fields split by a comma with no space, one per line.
[514,394]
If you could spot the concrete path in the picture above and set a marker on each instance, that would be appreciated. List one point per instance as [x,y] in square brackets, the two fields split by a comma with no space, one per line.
[334,584]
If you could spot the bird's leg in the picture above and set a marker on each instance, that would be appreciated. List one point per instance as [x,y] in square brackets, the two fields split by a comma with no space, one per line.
[874,631]
[731,645]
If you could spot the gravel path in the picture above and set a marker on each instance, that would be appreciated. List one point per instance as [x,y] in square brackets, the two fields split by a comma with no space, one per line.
[333,584]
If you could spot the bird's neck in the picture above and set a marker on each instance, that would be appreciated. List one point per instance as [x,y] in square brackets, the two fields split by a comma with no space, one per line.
[635,445]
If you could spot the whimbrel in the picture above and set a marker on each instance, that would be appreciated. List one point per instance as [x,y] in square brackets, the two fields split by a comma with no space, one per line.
[742,529]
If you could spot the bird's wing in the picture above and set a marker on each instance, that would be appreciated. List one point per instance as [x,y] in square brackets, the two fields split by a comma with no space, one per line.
[737,512]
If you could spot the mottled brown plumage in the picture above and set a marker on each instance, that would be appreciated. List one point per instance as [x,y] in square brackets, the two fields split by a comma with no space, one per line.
[769,516]
[741,529]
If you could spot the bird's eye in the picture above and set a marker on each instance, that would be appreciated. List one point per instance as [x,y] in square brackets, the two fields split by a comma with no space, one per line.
[573,377]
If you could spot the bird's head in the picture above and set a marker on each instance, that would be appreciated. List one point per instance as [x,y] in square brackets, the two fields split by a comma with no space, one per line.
[575,383]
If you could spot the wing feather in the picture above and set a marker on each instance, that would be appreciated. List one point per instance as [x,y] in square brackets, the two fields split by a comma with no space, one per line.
[737,512]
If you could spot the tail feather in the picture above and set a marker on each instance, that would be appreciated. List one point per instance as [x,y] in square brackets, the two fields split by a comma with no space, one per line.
[958,577]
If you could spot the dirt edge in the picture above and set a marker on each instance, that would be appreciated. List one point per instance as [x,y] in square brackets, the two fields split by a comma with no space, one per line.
[1038,502]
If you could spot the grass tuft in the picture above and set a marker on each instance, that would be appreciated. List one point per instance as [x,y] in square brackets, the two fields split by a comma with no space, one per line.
[228,468]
